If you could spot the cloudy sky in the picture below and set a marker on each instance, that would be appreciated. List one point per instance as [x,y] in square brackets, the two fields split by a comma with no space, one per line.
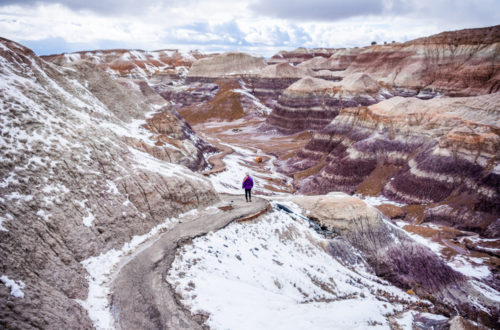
[256,26]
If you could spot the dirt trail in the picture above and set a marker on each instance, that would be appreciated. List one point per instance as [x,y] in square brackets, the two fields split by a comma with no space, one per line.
[141,296]
[217,161]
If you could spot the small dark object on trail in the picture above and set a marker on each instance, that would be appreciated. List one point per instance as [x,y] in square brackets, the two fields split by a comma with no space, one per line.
[226,207]
[283,207]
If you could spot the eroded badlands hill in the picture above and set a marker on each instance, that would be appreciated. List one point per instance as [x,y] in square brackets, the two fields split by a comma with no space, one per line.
[72,186]
[156,65]
[312,103]
[442,153]
[462,62]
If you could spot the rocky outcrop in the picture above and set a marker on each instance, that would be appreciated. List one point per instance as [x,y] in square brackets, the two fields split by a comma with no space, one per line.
[306,104]
[328,68]
[462,62]
[284,70]
[394,256]
[225,65]
[70,187]
[182,95]
[442,153]
[273,80]
[299,55]
[311,103]
[156,66]
[232,101]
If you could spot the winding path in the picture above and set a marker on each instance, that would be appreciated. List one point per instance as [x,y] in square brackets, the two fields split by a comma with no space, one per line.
[141,296]
[217,161]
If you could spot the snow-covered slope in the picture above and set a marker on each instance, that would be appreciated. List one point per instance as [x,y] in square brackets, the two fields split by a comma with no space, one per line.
[276,273]
[71,183]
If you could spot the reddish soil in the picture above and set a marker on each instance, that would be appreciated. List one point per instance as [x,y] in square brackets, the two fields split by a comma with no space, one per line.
[226,105]
[373,184]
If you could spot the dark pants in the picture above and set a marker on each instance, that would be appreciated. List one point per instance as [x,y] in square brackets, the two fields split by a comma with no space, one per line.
[248,194]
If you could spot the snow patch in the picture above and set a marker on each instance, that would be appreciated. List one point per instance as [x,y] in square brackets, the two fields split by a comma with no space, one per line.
[89,219]
[6,217]
[377,200]
[230,180]
[16,287]
[112,188]
[264,110]
[42,214]
[466,267]
[435,247]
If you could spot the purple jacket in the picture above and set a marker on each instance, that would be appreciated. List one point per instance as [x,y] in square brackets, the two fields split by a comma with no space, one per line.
[248,183]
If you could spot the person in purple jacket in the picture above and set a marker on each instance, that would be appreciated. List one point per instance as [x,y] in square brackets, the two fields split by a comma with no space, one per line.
[247,185]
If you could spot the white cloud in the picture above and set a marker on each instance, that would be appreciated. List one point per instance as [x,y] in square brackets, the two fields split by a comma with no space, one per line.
[219,25]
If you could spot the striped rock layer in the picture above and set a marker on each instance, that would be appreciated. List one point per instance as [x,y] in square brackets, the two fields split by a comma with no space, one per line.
[272,80]
[394,256]
[328,68]
[440,153]
[311,103]
[458,63]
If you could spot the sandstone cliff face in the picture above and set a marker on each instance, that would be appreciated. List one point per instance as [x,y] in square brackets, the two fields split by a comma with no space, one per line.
[70,187]
[306,104]
[394,256]
[462,62]
[455,63]
[442,153]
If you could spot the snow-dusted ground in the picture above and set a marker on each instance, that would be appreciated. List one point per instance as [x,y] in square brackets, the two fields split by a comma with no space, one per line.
[469,266]
[103,267]
[262,109]
[275,273]
[237,164]
[377,200]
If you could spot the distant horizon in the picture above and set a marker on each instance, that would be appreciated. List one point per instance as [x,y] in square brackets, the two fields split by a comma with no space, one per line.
[186,50]
[257,27]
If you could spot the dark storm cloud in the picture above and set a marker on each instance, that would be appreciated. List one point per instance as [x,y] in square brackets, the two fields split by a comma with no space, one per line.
[325,10]
[101,6]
